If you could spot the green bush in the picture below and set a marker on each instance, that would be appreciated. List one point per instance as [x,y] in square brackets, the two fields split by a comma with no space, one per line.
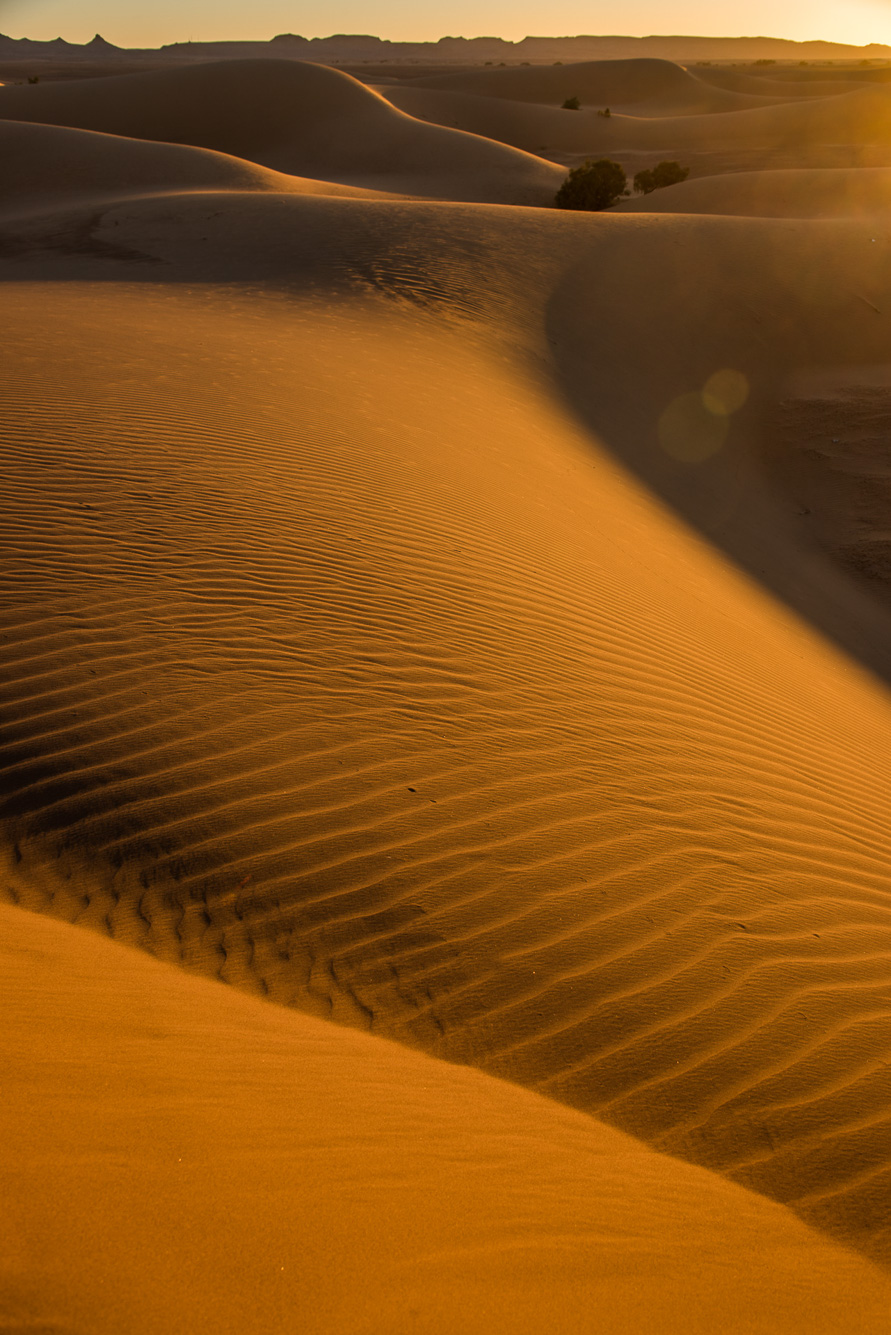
[667,173]
[592,186]
[571,104]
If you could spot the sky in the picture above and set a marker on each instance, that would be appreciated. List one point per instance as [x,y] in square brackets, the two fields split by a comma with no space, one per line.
[137,23]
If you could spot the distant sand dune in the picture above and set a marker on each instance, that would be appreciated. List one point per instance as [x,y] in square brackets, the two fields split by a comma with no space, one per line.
[807,193]
[859,116]
[298,118]
[52,162]
[650,87]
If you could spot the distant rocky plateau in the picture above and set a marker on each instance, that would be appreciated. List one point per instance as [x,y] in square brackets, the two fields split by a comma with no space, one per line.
[358,48]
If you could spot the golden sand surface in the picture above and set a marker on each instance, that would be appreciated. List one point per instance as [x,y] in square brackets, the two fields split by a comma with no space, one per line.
[181,1157]
[461,620]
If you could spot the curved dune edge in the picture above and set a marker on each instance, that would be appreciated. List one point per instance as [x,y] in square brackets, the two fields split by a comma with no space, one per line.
[648,86]
[176,1154]
[341,665]
[297,118]
[846,127]
[55,163]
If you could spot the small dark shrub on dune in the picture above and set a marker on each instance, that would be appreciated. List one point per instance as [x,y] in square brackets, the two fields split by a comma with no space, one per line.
[592,186]
[667,173]
[571,104]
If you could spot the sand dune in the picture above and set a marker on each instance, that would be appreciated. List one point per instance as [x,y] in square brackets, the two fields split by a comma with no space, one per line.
[311,691]
[806,193]
[369,642]
[302,119]
[644,87]
[347,1183]
[850,128]
[47,163]
[781,82]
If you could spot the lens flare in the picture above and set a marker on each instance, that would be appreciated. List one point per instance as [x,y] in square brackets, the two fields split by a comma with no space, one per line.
[725,392]
[689,432]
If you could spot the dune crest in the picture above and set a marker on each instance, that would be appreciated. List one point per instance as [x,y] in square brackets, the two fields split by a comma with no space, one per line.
[294,117]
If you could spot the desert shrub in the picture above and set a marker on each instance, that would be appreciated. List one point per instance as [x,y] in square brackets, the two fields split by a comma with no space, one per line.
[592,186]
[571,104]
[667,173]
[765,62]
[605,112]
[33,78]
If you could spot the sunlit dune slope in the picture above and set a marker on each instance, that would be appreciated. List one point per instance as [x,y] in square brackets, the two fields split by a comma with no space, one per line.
[52,163]
[341,661]
[646,87]
[805,193]
[303,119]
[181,1157]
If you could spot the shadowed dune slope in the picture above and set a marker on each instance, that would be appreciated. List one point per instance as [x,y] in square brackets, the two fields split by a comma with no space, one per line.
[303,119]
[174,1148]
[780,83]
[860,116]
[654,87]
[54,163]
[805,193]
[340,662]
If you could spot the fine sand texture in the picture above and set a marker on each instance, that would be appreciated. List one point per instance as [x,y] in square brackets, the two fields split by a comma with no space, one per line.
[179,1157]
[438,617]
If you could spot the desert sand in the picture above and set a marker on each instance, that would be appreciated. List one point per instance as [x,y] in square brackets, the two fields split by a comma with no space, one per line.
[181,1157]
[460,620]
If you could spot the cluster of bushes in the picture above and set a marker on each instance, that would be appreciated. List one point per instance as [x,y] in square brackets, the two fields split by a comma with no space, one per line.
[595,186]
[573,104]
[667,173]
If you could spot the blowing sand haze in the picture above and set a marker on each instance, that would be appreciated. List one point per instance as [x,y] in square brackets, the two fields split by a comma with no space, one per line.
[442,615]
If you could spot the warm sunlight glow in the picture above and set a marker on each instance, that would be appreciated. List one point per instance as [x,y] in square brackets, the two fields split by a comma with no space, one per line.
[132,23]
[445,668]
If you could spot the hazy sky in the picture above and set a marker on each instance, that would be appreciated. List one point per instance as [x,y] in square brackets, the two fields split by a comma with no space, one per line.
[151,22]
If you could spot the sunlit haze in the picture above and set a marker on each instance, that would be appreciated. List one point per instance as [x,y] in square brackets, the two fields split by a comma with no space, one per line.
[128,23]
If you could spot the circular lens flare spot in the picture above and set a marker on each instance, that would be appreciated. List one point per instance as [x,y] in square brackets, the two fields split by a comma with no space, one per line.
[689,431]
[725,392]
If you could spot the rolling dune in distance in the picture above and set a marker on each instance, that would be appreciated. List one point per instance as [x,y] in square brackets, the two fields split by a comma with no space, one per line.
[804,193]
[303,119]
[43,164]
[427,615]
